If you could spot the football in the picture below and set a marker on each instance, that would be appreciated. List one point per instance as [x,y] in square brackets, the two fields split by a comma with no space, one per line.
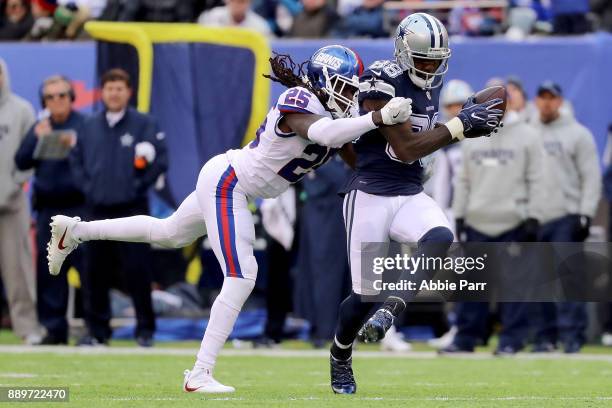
[490,93]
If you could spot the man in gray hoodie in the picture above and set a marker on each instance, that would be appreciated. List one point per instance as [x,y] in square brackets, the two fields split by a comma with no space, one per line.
[498,197]
[573,189]
[16,262]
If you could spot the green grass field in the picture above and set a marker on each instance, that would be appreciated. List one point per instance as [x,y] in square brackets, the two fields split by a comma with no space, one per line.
[120,376]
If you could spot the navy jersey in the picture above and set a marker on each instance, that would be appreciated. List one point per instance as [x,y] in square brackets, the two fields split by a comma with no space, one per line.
[378,169]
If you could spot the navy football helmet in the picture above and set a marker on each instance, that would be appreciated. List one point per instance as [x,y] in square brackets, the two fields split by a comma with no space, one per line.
[332,69]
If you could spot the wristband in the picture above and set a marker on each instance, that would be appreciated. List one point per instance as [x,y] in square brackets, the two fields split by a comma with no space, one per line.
[455,127]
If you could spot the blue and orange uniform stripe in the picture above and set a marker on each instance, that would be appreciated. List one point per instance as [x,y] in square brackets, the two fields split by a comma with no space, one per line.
[225,222]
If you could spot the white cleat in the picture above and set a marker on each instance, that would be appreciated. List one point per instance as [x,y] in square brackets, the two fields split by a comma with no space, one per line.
[201,380]
[62,242]
[394,341]
[445,340]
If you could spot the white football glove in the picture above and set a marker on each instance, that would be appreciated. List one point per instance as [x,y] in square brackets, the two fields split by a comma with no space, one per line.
[397,110]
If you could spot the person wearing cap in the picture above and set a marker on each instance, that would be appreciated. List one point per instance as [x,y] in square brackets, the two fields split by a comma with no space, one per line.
[498,198]
[572,190]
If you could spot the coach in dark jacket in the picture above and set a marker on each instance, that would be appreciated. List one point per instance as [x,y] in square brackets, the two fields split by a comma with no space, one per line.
[119,155]
[54,192]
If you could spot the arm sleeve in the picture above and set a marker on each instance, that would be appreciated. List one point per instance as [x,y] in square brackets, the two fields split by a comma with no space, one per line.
[24,157]
[462,187]
[587,164]
[157,138]
[335,133]
[534,176]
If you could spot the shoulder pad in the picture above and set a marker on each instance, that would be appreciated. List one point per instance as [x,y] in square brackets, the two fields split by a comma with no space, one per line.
[379,80]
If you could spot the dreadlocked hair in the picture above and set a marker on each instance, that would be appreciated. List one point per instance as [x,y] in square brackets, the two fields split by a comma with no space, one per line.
[289,74]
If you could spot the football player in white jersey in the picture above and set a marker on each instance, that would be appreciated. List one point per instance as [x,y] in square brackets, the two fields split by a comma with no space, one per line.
[310,121]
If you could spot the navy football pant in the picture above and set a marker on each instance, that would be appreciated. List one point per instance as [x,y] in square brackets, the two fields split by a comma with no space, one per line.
[472,317]
[564,321]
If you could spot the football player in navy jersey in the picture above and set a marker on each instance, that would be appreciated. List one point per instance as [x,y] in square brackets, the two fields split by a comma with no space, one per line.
[384,199]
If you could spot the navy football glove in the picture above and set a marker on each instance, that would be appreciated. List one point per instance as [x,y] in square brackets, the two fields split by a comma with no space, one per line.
[480,119]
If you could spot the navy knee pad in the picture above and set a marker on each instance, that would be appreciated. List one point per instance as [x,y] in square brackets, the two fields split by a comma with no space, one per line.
[438,239]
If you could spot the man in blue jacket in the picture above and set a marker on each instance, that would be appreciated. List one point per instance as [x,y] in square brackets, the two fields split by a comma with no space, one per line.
[54,191]
[119,155]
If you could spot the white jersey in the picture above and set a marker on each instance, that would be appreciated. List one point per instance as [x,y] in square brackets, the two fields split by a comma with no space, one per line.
[274,160]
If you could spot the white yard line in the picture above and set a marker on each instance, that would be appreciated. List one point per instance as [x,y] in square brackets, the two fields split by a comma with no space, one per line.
[391,399]
[162,351]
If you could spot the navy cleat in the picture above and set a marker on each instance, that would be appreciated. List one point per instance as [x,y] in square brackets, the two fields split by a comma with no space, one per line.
[342,379]
[377,326]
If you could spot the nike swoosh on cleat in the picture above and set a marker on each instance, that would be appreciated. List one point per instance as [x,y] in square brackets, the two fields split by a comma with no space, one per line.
[189,389]
[396,115]
[60,245]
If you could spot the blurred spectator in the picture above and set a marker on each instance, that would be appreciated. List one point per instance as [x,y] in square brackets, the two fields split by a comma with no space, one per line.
[278,13]
[573,190]
[448,160]
[570,16]
[346,7]
[315,21]
[119,155]
[322,280]
[236,13]
[278,219]
[202,5]
[446,167]
[603,10]
[93,8]
[527,16]
[498,198]
[54,192]
[54,21]
[16,267]
[44,22]
[166,11]
[473,21]
[365,21]
[16,20]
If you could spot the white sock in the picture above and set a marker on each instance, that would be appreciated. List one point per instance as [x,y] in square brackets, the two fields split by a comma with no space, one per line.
[223,314]
[130,229]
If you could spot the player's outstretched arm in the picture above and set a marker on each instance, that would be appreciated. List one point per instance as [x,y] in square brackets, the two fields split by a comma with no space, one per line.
[335,133]
[407,145]
[474,120]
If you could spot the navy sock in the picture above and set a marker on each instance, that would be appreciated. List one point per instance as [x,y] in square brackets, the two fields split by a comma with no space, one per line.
[353,313]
